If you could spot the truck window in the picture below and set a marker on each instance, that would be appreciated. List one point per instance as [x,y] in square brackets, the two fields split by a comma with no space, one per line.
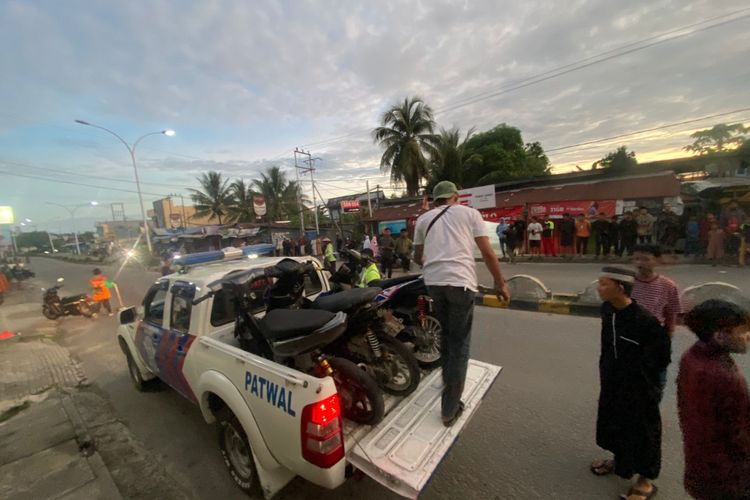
[222,311]
[313,284]
[154,306]
[181,307]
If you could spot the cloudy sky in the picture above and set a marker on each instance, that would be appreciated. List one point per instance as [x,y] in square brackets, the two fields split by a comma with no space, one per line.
[244,83]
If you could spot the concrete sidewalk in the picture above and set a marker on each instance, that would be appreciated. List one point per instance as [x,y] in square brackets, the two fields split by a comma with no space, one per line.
[48,452]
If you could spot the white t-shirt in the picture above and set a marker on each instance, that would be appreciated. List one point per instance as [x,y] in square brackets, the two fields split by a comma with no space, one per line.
[448,255]
[535,231]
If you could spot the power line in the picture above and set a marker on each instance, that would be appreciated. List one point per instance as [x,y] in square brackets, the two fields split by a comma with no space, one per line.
[652,129]
[575,66]
[49,179]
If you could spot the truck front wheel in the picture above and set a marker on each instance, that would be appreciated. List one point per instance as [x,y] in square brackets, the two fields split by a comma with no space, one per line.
[237,454]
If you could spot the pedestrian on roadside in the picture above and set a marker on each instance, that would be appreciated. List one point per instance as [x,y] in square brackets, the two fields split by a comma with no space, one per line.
[567,235]
[511,242]
[668,229]
[101,294]
[716,239]
[615,236]
[375,247]
[328,255]
[628,234]
[366,243]
[387,246]
[548,238]
[601,228]
[692,237]
[520,227]
[403,247]
[444,241]
[502,226]
[713,403]
[645,223]
[705,228]
[634,350]
[656,293]
[583,231]
[535,237]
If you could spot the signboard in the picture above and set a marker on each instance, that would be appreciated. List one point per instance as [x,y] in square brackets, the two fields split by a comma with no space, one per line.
[6,215]
[505,213]
[556,209]
[478,197]
[348,206]
[175,220]
[395,225]
[259,205]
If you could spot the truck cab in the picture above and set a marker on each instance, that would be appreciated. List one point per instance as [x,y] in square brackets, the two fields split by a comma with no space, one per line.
[274,421]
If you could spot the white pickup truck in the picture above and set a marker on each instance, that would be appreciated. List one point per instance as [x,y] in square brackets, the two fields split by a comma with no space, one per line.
[276,422]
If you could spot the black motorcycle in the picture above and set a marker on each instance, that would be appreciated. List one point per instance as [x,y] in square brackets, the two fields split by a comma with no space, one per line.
[391,363]
[54,307]
[297,338]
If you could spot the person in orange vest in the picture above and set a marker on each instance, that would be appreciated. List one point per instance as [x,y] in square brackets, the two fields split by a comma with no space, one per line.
[101,287]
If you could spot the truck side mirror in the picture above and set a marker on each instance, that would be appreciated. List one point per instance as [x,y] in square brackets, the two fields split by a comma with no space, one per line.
[128,315]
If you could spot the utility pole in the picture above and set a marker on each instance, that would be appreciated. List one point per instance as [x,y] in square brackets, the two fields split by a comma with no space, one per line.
[311,168]
[369,203]
[299,201]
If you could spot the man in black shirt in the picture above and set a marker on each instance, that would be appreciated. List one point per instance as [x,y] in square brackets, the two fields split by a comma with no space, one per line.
[602,230]
[628,234]
[567,228]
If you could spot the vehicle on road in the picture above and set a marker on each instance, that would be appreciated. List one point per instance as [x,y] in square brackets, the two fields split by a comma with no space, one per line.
[54,306]
[276,421]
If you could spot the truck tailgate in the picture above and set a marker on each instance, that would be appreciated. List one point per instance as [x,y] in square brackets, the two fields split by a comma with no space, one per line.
[403,451]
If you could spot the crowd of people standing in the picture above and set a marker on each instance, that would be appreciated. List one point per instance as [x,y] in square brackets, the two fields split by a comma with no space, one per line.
[712,236]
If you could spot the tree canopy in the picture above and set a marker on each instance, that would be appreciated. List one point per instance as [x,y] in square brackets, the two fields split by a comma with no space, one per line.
[215,199]
[719,138]
[618,159]
[408,139]
[500,154]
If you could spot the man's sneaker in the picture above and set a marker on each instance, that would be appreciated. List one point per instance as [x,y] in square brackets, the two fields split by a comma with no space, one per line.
[449,421]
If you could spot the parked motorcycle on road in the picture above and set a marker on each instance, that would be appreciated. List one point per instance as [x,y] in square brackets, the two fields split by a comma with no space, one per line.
[53,306]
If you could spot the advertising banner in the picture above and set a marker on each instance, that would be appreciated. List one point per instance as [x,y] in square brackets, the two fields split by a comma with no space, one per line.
[505,213]
[395,225]
[478,197]
[556,209]
[349,206]
[259,205]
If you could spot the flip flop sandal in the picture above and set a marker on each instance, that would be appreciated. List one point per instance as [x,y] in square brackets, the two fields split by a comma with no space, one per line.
[452,420]
[633,491]
[602,467]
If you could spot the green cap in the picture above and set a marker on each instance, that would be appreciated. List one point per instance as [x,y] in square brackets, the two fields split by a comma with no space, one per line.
[444,189]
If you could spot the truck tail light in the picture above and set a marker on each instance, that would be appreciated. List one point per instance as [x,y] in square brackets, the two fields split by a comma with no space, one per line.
[322,433]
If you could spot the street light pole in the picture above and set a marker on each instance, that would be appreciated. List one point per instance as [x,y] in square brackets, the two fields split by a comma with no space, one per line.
[131,150]
[72,213]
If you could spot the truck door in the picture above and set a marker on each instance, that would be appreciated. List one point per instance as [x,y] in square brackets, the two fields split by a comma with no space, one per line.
[176,340]
[151,329]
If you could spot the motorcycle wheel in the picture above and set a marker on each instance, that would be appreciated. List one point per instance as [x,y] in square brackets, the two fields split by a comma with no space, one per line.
[397,370]
[85,310]
[49,313]
[427,343]
[361,398]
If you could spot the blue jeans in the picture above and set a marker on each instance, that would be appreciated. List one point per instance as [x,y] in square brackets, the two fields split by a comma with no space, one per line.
[454,308]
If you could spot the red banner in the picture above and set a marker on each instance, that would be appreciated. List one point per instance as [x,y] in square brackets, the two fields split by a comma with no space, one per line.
[556,209]
[349,206]
[507,213]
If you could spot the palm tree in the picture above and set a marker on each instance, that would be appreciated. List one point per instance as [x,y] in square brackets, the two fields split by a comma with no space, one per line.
[448,162]
[215,199]
[407,136]
[241,209]
[282,195]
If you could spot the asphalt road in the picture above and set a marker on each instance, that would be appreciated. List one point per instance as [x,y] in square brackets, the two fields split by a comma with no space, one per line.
[533,436]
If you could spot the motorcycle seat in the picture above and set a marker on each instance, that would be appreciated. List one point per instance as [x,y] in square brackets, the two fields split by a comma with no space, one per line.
[389,282]
[280,324]
[346,300]
[73,298]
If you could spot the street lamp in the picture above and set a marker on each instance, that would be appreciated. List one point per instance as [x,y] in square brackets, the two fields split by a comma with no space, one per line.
[72,212]
[131,150]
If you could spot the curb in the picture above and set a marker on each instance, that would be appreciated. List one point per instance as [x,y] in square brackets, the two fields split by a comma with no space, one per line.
[552,306]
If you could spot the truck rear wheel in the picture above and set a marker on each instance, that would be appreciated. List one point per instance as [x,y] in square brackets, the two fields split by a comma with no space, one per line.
[237,454]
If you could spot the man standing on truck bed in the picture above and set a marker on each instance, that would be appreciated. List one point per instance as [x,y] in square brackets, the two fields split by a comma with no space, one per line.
[444,245]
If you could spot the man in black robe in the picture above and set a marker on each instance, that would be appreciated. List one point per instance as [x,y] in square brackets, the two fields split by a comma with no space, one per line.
[635,348]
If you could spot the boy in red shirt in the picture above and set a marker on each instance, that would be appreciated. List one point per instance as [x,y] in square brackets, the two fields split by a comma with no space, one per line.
[714,405]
